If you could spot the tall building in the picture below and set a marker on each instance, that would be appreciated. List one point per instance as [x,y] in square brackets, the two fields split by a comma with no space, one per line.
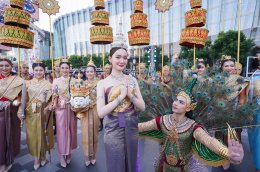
[71,31]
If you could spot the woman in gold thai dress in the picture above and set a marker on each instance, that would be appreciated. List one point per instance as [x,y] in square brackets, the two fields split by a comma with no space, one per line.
[66,122]
[117,98]
[166,80]
[142,75]
[235,81]
[89,120]
[39,123]
[10,131]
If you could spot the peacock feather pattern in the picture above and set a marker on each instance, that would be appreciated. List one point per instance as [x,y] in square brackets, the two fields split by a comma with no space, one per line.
[215,93]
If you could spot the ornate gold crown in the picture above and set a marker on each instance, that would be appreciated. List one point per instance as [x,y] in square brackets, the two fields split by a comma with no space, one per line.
[24,63]
[107,65]
[142,65]
[37,60]
[64,60]
[226,57]
[79,89]
[57,61]
[166,67]
[189,99]
[238,65]
[5,57]
[91,63]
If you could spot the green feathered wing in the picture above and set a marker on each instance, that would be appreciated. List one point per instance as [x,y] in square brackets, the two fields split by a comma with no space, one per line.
[207,156]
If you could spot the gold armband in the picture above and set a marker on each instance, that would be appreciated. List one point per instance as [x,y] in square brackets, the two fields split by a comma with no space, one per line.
[147,126]
[210,142]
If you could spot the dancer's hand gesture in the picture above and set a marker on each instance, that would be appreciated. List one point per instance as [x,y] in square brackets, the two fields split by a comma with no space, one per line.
[235,151]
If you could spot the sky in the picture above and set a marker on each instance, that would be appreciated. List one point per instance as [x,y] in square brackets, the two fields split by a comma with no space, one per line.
[66,6]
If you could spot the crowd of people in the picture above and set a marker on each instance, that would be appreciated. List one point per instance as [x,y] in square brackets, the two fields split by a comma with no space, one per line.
[115,99]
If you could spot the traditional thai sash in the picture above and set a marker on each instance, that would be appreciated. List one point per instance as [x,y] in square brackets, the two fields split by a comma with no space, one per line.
[7,87]
[37,94]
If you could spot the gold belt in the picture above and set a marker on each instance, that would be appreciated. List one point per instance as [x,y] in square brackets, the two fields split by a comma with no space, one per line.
[126,114]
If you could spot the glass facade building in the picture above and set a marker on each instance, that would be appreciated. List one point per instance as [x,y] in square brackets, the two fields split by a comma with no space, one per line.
[71,31]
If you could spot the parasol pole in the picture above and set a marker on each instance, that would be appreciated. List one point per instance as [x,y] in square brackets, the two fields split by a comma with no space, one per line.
[103,55]
[51,56]
[194,55]
[19,62]
[239,32]
[139,58]
[91,55]
[162,42]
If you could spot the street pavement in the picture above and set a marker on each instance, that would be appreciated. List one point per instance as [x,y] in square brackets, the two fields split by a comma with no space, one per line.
[148,151]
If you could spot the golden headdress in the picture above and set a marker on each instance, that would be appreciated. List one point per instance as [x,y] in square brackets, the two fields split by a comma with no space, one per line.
[5,57]
[37,60]
[64,60]
[24,64]
[225,58]
[238,65]
[107,65]
[142,65]
[187,94]
[57,62]
[91,63]
[189,99]
[166,67]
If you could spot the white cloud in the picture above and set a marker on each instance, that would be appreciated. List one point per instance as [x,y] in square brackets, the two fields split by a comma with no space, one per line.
[66,6]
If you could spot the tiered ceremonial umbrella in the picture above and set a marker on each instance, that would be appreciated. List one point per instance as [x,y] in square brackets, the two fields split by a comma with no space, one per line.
[193,35]
[139,35]
[15,32]
[100,33]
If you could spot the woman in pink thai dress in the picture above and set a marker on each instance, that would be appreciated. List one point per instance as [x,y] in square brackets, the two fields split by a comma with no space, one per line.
[66,123]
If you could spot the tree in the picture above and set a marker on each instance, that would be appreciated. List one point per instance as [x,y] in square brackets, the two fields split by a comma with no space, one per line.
[201,53]
[48,63]
[76,61]
[80,61]
[226,44]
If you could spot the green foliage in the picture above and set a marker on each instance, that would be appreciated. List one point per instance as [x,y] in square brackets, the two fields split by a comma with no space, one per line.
[201,53]
[76,61]
[225,44]
[48,63]
[79,61]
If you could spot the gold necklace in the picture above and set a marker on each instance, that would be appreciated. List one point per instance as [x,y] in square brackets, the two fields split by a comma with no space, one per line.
[118,78]
[179,122]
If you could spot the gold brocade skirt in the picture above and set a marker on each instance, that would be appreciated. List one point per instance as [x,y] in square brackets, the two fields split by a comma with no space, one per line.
[39,141]
[89,121]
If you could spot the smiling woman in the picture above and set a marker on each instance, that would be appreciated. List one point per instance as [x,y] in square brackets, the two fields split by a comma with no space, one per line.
[10,87]
[39,122]
[118,96]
